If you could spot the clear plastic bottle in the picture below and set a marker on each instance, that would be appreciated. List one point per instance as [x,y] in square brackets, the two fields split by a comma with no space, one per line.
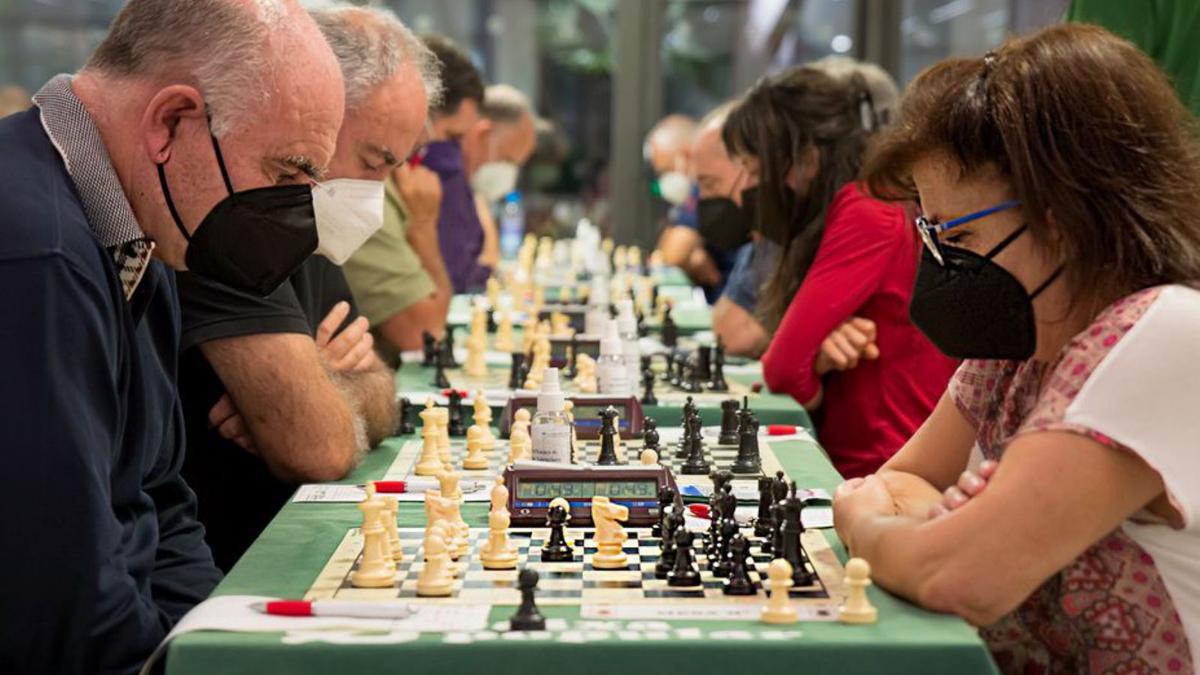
[611,373]
[598,313]
[550,429]
[630,347]
[512,225]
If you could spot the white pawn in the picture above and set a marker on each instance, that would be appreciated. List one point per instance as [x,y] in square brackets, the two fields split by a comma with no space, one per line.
[857,608]
[504,333]
[430,462]
[476,459]
[610,536]
[483,418]
[779,608]
[476,365]
[435,579]
[520,445]
[498,553]
[649,458]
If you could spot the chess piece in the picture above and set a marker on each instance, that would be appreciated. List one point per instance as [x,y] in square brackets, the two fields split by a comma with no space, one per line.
[448,347]
[666,498]
[793,528]
[672,523]
[858,608]
[610,536]
[739,582]
[585,379]
[429,349]
[729,422]
[684,572]
[608,432]
[650,434]
[504,333]
[441,363]
[516,375]
[717,381]
[493,291]
[779,608]
[429,463]
[391,511]
[748,461]
[569,411]
[442,415]
[763,524]
[520,444]
[556,548]
[695,464]
[498,553]
[374,570]
[406,427]
[435,580]
[648,457]
[685,441]
[490,320]
[648,397]
[669,331]
[704,362]
[527,616]
[483,419]
[572,369]
[476,459]
[476,365]
[454,422]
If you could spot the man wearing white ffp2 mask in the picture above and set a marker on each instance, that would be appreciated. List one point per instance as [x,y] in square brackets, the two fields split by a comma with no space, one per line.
[348,212]
[494,152]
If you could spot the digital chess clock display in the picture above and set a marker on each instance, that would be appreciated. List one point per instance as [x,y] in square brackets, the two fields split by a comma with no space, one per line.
[617,489]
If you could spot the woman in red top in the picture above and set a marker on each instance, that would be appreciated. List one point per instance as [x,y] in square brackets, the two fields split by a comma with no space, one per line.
[837,305]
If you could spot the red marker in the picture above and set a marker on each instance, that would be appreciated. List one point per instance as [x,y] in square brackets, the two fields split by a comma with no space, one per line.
[388,487]
[461,392]
[699,510]
[781,429]
[358,610]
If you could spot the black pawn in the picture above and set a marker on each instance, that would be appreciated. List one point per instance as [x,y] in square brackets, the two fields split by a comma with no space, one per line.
[650,434]
[648,397]
[515,381]
[763,524]
[406,428]
[556,548]
[430,351]
[439,376]
[729,422]
[608,431]
[455,426]
[717,381]
[748,458]
[695,464]
[704,362]
[670,332]
[527,617]
[739,582]
[491,320]
[684,572]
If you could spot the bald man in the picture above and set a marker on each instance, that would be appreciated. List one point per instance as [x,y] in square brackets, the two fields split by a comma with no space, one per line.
[154,157]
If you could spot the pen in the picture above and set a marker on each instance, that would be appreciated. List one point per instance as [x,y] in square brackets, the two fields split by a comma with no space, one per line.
[357,610]
[388,487]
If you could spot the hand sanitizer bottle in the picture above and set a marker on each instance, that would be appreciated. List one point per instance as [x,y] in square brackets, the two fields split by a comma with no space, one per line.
[611,373]
[598,313]
[630,347]
[550,430]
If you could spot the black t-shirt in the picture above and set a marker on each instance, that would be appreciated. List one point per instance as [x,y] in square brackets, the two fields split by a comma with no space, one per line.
[237,494]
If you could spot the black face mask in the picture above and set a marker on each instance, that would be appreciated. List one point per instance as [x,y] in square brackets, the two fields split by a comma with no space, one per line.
[972,308]
[251,241]
[722,224]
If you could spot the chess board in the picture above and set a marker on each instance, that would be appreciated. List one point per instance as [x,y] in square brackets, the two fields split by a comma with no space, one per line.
[577,583]
[719,456]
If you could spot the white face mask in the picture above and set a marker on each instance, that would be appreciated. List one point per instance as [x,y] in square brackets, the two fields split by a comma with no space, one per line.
[674,187]
[348,212]
[493,180]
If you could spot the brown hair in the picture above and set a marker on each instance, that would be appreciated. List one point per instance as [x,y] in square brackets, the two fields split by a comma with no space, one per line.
[1085,128]
[777,122]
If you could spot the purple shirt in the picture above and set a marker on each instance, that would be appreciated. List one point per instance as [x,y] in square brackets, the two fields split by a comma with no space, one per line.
[460,234]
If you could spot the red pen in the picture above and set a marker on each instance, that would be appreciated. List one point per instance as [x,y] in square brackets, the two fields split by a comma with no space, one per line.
[358,610]
[388,487]
[781,429]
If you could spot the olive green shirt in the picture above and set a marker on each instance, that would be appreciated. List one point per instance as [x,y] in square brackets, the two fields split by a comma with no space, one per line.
[386,275]
[1166,30]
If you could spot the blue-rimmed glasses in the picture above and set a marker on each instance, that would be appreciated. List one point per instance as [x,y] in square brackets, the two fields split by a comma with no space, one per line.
[929,231]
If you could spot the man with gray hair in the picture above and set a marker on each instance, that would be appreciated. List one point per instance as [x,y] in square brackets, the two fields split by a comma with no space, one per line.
[189,140]
[288,388]
[494,152]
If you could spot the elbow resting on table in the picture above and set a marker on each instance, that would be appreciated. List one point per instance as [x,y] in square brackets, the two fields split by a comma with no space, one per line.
[965,595]
[328,455]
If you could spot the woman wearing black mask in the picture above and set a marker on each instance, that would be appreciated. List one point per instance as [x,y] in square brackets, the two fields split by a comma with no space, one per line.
[836,304]
[1057,180]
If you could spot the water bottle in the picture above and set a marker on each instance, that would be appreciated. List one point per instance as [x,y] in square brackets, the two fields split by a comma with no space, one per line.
[512,225]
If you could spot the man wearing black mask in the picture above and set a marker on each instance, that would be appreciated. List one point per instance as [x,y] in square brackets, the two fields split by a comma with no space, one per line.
[164,151]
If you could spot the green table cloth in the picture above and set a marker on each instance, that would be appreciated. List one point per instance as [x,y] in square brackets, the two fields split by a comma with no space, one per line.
[291,552]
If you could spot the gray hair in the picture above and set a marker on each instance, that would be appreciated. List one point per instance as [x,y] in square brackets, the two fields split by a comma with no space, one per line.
[880,85]
[717,116]
[372,45]
[221,44]
[673,132]
[505,104]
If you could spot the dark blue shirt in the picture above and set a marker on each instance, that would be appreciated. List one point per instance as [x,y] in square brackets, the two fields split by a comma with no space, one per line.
[754,262]
[102,549]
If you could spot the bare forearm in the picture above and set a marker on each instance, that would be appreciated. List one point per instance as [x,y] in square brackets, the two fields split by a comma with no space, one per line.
[423,237]
[372,394]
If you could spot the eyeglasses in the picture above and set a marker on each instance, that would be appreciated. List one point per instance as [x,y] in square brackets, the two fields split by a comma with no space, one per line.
[929,231]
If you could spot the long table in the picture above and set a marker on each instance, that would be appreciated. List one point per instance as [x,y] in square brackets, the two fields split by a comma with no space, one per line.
[291,552]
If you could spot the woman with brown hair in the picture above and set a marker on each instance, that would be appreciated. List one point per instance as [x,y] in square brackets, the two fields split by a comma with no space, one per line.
[1059,185]
[836,305]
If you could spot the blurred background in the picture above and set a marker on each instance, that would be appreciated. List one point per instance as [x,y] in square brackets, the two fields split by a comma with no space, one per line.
[601,72]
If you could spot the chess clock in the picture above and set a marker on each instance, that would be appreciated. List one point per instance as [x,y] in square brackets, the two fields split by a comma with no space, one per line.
[587,414]
[532,485]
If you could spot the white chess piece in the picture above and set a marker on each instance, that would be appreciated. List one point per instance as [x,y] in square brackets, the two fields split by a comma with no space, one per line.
[779,608]
[498,553]
[858,608]
[430,462]
[504,333]
[649,458]
[483,418]
[476,459]
[520,445]
[373,571]
[391,510]
[435,579]
[610,536]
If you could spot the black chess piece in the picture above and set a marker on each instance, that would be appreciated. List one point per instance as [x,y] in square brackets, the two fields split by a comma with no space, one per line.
[650,434]
[491,320]
[515,380]
[666,497]
[648,397]
[642,330]
[448,347]
[406,428]
[608,431]
[739,582]
[556,548]
[572,358]
[695,464]
[455,425]
[689,409]
[672,523]
[729,422]
[713,538]
[669,373]
[670,331]
[684,572]
[728,530]
[430,349]
[793,548]
[439,376]
[748,460]
[704,362]
[763,525]
[717,381]
[527,617]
